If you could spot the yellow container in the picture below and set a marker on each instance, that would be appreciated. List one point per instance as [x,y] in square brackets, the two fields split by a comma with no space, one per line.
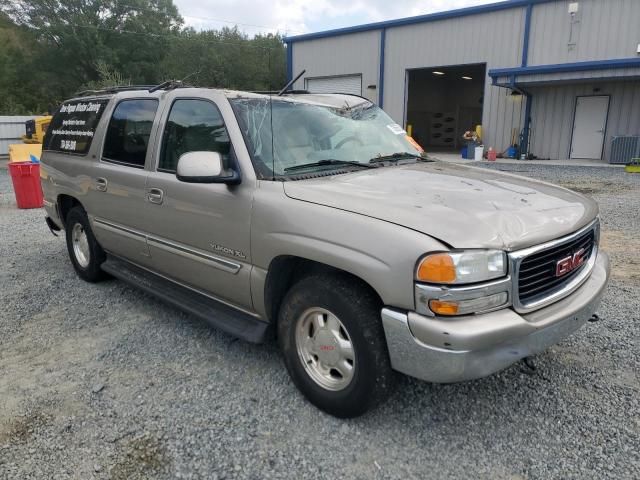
[634,166]
[21,152]
[35,133]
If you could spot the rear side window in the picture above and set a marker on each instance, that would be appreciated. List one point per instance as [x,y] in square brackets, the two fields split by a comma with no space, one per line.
[128,132]
[74,125]
[193,126]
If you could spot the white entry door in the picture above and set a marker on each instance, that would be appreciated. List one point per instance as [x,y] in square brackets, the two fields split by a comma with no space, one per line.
[342,84]
[589,126]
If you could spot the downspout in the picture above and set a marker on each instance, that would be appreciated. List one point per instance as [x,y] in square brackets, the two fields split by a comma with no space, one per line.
[289,45]
[383,40]
[524,142]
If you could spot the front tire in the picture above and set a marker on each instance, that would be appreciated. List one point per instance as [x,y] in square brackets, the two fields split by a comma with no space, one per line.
[85,252]
[334,347]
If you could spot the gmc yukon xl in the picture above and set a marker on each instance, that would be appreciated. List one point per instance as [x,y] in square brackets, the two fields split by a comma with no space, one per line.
[316,219]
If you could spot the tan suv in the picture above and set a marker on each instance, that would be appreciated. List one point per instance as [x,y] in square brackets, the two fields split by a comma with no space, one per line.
[315,218]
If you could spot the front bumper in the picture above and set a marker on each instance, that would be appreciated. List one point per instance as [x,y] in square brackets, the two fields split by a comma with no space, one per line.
[447,350]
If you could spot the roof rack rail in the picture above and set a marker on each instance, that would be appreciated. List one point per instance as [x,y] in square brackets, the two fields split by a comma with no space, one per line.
[114,89]
[275,92]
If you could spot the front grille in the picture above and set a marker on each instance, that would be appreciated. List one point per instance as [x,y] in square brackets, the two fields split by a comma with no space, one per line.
[537,273]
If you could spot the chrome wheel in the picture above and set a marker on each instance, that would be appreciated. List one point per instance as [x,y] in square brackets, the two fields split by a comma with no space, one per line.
[80,245]
[325,349]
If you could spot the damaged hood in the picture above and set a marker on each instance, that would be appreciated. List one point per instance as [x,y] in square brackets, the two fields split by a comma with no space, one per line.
[464,207]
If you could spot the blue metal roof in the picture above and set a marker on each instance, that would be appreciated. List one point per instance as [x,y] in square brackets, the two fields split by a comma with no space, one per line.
[567,67]
[431,17]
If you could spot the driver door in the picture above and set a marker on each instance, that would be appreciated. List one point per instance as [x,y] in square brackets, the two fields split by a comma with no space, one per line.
[198,233]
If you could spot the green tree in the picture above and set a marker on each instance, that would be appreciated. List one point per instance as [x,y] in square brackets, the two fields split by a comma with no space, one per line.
[51,49]
[227,58]
[81,35]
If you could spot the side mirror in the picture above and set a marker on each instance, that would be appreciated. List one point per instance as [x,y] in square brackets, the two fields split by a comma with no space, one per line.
[204,167]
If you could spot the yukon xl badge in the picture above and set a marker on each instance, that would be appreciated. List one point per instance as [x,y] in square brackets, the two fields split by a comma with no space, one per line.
[227,251]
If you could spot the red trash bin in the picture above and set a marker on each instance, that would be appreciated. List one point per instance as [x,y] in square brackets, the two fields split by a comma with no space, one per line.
[26,184]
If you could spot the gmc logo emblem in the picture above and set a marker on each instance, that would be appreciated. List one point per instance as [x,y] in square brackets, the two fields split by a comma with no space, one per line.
[569,264]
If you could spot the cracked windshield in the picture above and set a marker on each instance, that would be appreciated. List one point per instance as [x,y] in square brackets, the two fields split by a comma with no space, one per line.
[310,137]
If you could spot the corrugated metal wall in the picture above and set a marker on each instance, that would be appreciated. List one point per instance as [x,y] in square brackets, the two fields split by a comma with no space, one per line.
[554,108]
[602,29]
[491,38]
[356,53]
[11,129]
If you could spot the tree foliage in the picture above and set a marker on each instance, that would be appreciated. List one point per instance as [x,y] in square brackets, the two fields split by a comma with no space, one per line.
[51,49]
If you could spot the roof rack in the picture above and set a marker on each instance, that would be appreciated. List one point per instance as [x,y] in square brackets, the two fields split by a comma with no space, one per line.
[168,85]
[275,92]
[114,89]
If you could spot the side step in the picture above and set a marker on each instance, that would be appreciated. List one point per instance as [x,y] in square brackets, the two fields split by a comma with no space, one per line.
[219,315]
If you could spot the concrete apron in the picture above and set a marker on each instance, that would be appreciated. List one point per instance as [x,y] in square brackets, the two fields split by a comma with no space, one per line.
[456,158]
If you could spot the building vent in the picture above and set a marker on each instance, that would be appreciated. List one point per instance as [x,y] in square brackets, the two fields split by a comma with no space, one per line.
[624,149]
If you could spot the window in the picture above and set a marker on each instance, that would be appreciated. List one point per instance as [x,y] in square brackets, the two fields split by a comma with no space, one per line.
[283,134]
[129,131]
[193,126]
[74,125]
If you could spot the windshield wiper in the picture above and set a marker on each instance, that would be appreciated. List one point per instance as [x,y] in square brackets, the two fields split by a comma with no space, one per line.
[329,161]
[394,157]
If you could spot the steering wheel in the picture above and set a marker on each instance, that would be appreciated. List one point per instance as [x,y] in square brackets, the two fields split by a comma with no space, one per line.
[352,138]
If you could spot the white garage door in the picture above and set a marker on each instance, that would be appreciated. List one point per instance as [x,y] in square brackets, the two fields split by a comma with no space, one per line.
[342,84]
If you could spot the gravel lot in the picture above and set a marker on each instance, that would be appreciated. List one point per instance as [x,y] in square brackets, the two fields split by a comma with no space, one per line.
[101,381]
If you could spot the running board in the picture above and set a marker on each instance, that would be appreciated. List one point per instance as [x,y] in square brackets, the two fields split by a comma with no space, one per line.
[218,314]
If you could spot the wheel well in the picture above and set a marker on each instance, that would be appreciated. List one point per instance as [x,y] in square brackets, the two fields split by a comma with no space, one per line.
[65,204]
[285,271]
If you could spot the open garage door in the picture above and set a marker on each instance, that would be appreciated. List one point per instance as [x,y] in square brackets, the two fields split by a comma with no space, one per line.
[443,103]
[340,84]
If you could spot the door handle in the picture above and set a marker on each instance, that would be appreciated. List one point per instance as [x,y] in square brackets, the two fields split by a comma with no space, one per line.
[101,184]
[155,195]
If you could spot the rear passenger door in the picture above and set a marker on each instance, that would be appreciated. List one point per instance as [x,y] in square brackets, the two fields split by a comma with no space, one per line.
[119,180]
[199,233]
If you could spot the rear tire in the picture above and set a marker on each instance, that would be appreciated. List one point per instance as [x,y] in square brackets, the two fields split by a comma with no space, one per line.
[334,347]
[85,252]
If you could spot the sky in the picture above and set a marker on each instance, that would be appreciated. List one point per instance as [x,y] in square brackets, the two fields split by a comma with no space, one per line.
[294,17]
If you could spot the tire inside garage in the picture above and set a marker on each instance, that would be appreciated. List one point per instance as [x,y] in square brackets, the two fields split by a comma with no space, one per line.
[443,103]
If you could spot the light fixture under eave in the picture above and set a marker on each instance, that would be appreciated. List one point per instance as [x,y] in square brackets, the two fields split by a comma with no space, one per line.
[467,78]
[438,73]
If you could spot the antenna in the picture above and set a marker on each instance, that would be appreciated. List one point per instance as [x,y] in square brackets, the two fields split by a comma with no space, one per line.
[273,153]
[291,82]
[196,73]
[172,84]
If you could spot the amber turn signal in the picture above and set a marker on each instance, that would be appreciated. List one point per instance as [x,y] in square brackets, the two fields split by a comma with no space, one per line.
[437,268]
[443,308]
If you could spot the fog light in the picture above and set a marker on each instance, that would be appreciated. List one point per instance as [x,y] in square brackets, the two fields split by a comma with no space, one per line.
[465,307]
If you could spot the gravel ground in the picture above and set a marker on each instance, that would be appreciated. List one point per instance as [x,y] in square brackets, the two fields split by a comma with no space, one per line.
[101,381]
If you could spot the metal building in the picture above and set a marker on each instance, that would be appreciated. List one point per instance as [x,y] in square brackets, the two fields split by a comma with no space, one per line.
[558,78]
[11,130]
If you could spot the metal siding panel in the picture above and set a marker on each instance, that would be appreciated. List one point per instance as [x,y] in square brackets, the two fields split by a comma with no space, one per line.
[356,53]
[494,39]
[606,29]
[11,129]
[553,112]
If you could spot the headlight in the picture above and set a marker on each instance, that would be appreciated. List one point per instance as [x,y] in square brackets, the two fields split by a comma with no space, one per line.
[465,266]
